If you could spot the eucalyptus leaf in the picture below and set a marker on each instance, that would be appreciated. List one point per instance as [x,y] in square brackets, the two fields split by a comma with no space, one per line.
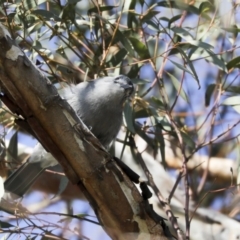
[233,29]
[205,7]
[100,8]
[129,117]
[13,146]
[140,48]
[233,89]
[149,15]
[118,57]
[188,140]
[179,5]
[234,63]
[6,225]
[177,86]
[174,19]
[208,94]
[125,41]
[234,102]
[48,15]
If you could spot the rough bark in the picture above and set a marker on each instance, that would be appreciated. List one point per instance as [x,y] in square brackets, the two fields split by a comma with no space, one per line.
[114,198]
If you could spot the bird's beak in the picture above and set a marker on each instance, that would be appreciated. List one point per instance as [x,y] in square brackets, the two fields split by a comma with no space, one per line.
[126,84]
[129,88]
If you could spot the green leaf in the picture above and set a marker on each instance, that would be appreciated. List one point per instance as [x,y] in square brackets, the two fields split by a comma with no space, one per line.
[165,125]
[188,140]
[140,81]
[6,225]
[143,113]
[13,146]
[202,50]
[125,42]
[118,57]
[180,67]
[180,45]
[205,7]
[234,102]
[68,13]
[158,102]
[189,62]
[131,18]
[73,2]
[233,89]
[208,94]
[62,185]
[234,63]
[234,29]
[29,4]
[165,19]
[129,117]
[133,73]
[200,44]
[35,27]
[100,8]
[174,19]
[216,60]
[149,15]
[185,34]
[177,86]
[65,220]
[159,137]
[238,164]
[192,50]
[47,15]
[152,25]
[140,48]
[178,5]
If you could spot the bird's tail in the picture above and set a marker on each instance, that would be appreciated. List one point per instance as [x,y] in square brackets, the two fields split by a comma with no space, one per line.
[23,178]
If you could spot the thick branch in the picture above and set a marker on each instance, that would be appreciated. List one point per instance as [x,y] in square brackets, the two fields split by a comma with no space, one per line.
[115,199]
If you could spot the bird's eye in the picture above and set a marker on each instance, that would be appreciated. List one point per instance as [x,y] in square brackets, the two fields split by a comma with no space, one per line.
[118,78]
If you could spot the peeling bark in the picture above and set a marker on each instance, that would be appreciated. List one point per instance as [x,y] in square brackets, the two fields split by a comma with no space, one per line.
[114,198]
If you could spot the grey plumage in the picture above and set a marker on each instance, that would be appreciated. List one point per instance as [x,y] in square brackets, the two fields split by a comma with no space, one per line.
[99,103]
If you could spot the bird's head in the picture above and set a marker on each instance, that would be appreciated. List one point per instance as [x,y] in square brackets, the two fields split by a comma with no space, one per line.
[114,90]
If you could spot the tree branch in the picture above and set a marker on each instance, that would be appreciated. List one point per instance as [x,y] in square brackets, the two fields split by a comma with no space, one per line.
[114,198]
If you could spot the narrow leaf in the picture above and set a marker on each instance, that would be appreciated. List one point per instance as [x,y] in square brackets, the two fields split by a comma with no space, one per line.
[174,19]
[124,40]
[233,89]
[128,114]
[178,5]
[13,146]
[177,86]
[205,7]
[100,8]
[234,63]
[216,60]
[188,140]
[208,94]
[234,102]
[191,66]
[140,48]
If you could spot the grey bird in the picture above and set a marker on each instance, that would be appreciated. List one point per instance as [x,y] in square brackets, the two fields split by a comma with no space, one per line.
[99,104]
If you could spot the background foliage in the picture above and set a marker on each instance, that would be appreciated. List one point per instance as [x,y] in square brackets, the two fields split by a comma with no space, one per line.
[183,57]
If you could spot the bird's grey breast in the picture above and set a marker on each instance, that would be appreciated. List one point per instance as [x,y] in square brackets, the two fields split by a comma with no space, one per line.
[99,104]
